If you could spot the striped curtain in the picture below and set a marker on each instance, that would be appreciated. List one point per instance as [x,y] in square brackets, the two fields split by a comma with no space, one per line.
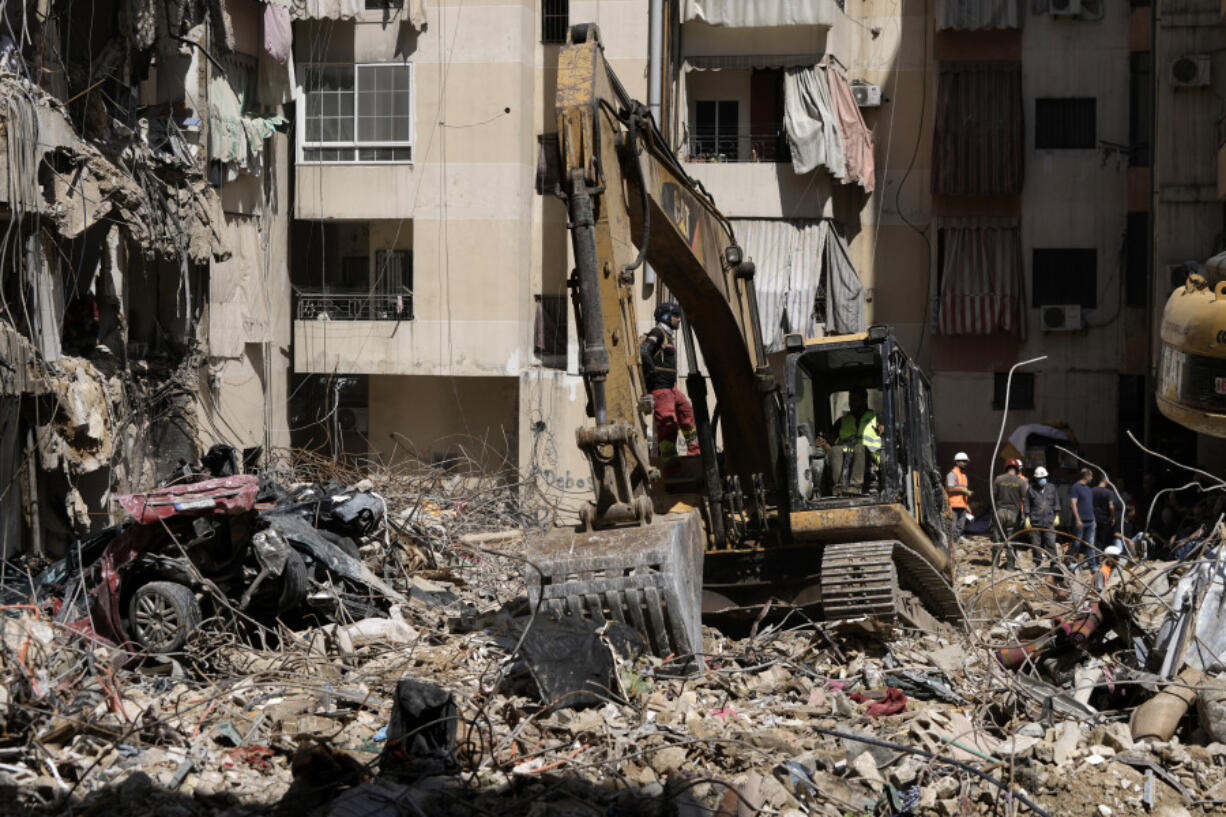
[982,286]
[978,140]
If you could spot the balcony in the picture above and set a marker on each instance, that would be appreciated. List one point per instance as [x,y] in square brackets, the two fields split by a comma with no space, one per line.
[330,306]
[757,147]
[351,335]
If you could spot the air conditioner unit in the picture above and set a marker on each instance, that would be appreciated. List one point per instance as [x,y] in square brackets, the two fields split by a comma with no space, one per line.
[867,96]
[353,419]
[1190,71]
[1065,8]
[1061,318]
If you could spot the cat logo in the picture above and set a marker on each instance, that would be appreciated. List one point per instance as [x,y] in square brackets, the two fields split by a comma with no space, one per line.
[673,202]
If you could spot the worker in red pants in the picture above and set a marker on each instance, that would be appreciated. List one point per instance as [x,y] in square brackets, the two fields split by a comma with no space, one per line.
[672,409]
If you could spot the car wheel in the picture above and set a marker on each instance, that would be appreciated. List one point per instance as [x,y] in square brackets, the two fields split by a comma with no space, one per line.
[162,615]
[293,583]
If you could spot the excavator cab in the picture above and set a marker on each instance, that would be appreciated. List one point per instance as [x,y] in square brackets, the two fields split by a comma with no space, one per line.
[899,462]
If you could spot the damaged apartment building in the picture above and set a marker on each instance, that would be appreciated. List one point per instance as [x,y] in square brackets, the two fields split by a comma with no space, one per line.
[143,260]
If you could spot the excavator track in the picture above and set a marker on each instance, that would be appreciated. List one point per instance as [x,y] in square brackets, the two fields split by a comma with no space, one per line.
[862,579]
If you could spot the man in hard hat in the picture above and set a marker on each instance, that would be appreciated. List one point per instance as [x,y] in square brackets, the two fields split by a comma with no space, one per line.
[672,410]
[857,444]
[1009,497]
[956,486]
[1043,504]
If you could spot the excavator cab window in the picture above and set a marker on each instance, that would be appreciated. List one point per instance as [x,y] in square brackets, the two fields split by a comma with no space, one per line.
[843,420]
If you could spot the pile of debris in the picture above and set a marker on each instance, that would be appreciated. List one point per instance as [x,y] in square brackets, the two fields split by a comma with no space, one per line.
[368,649]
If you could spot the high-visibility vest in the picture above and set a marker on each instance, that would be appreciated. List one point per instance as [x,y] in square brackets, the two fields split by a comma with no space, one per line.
[852,433]
[958,500]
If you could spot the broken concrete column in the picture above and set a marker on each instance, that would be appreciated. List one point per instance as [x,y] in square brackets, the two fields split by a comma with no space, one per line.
[47,291]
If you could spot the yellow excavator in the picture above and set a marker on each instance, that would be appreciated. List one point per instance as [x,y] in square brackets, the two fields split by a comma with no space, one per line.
[1191,387]
[762,519]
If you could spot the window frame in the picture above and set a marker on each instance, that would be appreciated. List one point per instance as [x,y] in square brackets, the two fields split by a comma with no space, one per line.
[1037,263]
[301,145]
[1016,395]
[717,135]
[1049,103]
[545,12]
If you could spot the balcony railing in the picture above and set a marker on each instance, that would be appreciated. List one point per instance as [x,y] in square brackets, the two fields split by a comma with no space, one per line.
[354,307]
[753,147]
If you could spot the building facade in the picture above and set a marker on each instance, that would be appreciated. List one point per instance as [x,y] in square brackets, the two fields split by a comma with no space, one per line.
[988,195]
[145,287]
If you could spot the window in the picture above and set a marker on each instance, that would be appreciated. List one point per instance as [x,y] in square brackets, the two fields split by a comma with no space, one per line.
[241,72]
[357,113]
[1065,124]
[393,291]
[1021,391]
[548,163]
[715,129]
[1140,107]
[1065,276]
[550,342]
[978,136]
[555,19]
[1136,272]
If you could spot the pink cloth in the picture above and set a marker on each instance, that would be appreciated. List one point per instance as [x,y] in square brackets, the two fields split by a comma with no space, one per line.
[857,140]
[278,35]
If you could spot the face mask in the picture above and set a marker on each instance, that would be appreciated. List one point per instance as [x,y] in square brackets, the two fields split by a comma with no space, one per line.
[1042,481]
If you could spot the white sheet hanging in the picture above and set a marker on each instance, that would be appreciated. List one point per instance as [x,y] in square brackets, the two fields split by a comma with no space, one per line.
[811,123]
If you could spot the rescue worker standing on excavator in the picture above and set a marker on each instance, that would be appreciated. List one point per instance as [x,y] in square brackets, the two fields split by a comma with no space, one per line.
[672,410]
[857,444]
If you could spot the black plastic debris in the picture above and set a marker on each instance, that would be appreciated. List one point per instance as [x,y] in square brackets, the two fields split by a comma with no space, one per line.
[571,660]
[421,735]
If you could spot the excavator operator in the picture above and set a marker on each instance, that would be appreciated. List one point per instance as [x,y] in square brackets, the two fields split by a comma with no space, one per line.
[857,444]
[672,409]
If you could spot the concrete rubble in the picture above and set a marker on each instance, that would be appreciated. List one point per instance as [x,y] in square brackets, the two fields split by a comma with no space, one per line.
[429,698]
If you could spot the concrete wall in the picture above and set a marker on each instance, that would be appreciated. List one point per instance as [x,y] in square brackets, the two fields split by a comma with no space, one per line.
[435,419]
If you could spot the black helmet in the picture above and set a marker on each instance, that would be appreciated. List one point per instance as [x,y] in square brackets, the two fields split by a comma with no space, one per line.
[666,310]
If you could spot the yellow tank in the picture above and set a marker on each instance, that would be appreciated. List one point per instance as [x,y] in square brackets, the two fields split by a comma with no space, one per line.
[1191,387]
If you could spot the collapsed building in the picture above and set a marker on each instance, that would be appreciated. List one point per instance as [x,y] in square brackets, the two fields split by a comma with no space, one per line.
[142,263]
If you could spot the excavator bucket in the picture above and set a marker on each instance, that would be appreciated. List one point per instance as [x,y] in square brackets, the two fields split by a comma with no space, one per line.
[648,577]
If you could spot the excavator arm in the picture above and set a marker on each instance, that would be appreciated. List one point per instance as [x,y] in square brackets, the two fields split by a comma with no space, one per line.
[630,201]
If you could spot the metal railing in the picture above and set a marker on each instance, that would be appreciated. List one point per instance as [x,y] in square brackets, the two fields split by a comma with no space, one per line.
[752,147]
[318,306]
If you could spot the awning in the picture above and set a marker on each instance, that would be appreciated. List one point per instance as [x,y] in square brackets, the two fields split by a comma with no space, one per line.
[978,143]
[414,11]
[982,289]
[792,257]
[744,62]
[978,15]
[758,14]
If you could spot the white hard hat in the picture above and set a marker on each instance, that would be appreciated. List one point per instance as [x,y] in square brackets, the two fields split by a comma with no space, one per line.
[1113,550]
[961,457]
[1040,471]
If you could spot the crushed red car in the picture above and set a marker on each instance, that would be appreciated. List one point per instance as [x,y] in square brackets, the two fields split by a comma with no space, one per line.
[230,546]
